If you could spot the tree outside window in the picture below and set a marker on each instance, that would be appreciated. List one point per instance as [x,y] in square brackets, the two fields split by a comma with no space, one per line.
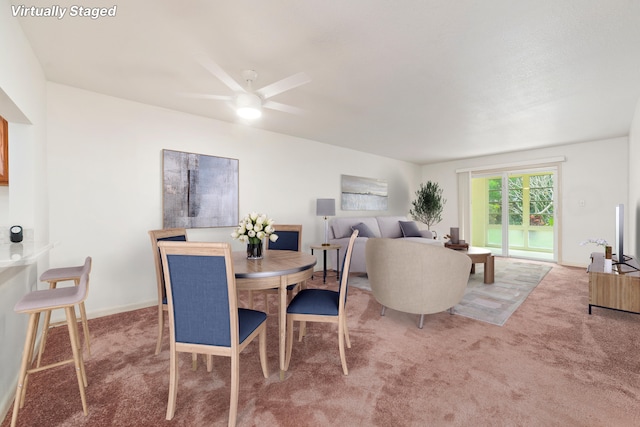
[530,196]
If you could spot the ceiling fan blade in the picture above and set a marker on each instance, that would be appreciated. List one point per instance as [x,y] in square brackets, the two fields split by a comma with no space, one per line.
[217,71]
[283,107]
[283,85]
[207,96]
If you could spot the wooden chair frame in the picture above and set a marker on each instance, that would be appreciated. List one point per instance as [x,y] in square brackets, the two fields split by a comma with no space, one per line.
[267,292]
[340,319]
[210,249]
[156,236]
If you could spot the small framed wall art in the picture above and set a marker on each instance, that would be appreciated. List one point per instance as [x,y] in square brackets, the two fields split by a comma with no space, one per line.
[363,194]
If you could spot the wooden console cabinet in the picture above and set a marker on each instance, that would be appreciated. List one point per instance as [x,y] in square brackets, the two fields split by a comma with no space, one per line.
[619,290]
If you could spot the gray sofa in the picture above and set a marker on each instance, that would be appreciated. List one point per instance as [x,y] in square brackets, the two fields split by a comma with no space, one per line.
[340,229]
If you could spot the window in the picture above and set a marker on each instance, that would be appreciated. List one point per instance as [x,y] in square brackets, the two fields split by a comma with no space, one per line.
[541,200]
[4,152]
[516,199]
[520,222]
[495,201]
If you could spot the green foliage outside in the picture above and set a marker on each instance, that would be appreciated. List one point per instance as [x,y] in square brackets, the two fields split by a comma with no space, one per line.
[428,205]
[537,190]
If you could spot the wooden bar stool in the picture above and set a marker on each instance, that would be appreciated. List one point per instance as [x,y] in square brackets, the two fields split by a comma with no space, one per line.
[63,274]
[36,302]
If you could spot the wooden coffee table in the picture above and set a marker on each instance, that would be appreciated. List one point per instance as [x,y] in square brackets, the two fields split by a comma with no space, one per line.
[482,256]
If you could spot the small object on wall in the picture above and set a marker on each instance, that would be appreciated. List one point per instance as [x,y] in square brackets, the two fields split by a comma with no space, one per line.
[16,234]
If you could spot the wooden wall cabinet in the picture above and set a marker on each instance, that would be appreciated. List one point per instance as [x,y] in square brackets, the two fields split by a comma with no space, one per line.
[4,152]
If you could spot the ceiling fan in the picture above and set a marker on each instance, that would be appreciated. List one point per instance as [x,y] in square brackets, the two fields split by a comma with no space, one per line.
[247,101]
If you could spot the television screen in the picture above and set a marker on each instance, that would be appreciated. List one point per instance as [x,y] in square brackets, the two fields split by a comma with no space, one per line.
[620,233]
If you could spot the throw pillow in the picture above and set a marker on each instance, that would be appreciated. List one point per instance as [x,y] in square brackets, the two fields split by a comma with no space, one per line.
[363,230]
[409,229]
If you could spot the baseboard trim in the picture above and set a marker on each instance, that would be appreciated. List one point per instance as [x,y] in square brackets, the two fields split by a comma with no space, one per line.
[60,320]
[121,309]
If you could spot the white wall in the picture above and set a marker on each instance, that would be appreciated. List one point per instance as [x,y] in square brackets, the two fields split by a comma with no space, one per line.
[633,215]
[22,103]
[105,184]
[595,172]
[22,92]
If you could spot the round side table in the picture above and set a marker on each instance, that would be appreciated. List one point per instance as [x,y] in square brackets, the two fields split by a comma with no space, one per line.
[324,249]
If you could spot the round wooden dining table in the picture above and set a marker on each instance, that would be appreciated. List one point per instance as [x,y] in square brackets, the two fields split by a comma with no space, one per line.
[278,269]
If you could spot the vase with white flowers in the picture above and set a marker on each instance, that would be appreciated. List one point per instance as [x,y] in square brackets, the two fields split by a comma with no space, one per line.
[253,229]
[608,261]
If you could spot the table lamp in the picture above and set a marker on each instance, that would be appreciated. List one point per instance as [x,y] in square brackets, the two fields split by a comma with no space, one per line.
[326,208]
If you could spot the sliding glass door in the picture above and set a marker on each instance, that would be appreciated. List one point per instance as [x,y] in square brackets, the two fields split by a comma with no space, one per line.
[513,213]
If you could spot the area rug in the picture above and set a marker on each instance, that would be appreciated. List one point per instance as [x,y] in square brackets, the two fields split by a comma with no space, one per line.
[496,302]
[493,303]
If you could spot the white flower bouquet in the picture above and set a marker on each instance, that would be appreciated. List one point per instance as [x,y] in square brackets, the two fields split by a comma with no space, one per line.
[254,228]
[598,242]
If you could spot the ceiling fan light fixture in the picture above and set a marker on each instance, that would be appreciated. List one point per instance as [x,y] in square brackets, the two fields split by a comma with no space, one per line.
[249,106]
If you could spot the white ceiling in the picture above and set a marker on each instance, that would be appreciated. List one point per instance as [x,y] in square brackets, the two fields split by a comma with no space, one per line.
[417,80]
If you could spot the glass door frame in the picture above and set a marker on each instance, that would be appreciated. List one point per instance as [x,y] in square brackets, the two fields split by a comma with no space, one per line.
[505,175]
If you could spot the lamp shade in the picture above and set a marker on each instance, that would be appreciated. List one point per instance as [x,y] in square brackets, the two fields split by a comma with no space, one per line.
[326,207]
[248,106]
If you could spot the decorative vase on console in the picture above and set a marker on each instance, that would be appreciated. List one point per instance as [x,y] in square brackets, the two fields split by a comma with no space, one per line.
[608,262]
[454,233]
[253,229]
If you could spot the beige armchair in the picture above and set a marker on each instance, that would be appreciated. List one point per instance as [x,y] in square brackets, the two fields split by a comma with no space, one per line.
[414,277]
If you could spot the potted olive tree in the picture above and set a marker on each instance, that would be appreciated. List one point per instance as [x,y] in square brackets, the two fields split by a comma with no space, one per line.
[428,205]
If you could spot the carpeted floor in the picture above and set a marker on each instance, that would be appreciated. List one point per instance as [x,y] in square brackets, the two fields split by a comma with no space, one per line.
[551,364]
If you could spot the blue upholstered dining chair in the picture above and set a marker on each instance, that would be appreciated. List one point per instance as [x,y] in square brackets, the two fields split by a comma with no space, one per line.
[172,235]
[323,305]
[204,317]
[289,239]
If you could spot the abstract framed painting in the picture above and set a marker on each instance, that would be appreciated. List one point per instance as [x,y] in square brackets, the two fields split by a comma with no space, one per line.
[199,191]
[364,194]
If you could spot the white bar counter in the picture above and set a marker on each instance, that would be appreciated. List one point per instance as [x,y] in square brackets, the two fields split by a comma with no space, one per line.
[24,253]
